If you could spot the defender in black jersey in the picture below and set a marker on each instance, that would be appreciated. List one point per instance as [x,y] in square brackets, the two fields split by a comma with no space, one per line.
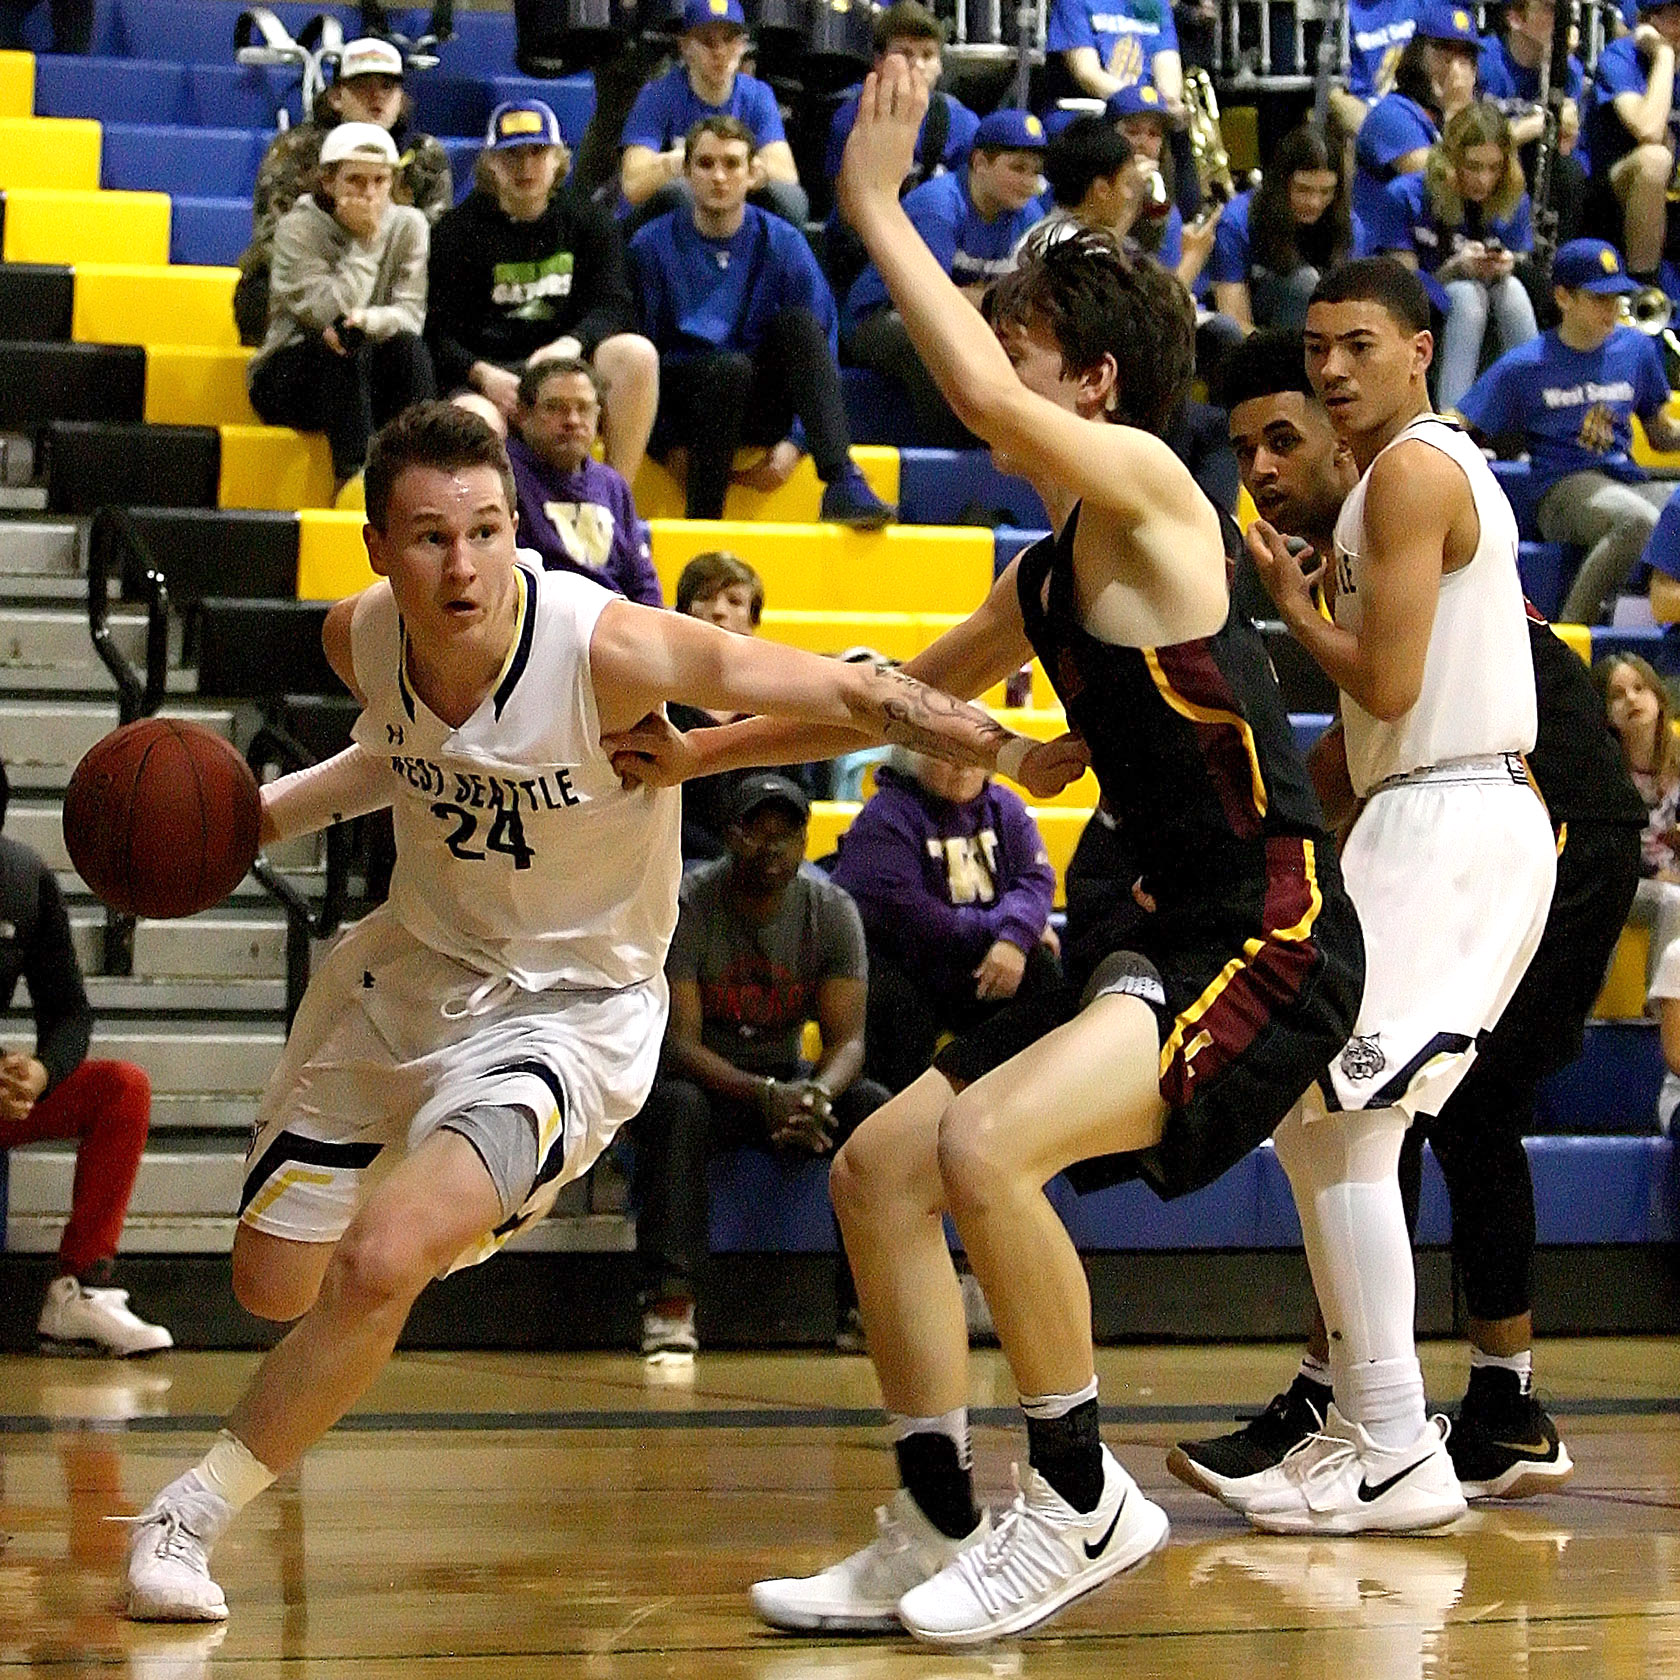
[1190,1042]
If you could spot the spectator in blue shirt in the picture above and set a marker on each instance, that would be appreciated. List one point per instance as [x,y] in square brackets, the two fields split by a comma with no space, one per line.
[972,222]
[745,326]
[1378,31]
[575,511]
[1571,394]
[1274,241]
[1464,222]
[911,32]
[1434,80]
[1633,136]
[1101,46]
[707,83]
[1141,115]
[1662,555]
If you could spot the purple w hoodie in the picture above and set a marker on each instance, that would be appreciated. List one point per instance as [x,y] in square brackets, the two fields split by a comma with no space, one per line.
[939,884]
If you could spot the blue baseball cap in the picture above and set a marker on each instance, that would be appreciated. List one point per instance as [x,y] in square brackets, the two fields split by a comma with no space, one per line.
[1141,99]
[1009,131]
[698,13]
[1591,265]
[521,122]
[1439,20]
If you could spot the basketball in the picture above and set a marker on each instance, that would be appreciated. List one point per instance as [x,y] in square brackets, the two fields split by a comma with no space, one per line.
[161,818]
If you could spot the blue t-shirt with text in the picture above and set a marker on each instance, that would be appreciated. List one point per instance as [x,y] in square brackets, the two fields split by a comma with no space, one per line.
[1409,223]
[1126,34]
[1378,31]
[1574,406]
[697,293]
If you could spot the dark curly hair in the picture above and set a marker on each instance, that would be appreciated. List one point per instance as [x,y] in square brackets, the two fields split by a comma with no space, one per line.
[1096,301]
[429,434]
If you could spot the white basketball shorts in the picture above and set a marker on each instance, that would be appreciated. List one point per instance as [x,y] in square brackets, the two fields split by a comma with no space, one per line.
[393,1038]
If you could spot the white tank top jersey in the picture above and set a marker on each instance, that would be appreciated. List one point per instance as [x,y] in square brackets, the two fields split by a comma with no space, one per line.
[518,853]
[1477,697]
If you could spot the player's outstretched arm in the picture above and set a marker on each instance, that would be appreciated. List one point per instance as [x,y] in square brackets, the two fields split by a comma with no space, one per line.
[1414,496]
[1108,465]
[350,784]
[641,658]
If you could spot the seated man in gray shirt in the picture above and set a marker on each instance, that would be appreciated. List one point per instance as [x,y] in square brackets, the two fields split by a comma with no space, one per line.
[763,944]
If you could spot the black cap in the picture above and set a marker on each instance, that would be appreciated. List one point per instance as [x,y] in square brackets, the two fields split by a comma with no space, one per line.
[766,788]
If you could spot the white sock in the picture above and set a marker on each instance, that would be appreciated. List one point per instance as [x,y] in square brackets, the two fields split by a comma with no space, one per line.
[1343,1169]
[953,1423]
[231,1470]
[1314,1369]
[1520,1364]
[1046,1406]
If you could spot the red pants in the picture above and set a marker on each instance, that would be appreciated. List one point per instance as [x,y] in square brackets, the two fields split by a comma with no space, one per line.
[107,1107]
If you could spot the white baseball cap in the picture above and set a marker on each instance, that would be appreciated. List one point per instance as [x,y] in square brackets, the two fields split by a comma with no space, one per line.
[369,57]
[359,140]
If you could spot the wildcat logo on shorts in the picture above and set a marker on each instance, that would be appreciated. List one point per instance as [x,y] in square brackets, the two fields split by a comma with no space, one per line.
[1363,1059]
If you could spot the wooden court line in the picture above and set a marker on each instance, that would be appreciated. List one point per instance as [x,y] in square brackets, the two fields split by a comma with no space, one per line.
[761,1417]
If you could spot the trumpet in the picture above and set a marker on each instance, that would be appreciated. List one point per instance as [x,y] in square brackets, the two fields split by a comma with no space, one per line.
[1651,311]
[1207,143]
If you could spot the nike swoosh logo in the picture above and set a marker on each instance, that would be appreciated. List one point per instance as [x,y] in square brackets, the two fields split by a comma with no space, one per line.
[1367,1493]
[1538,1449]
[1096,1551]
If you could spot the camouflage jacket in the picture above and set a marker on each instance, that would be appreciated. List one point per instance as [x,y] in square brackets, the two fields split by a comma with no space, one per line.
[289,164]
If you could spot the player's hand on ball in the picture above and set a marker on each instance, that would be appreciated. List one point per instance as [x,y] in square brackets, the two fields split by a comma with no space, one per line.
[1051,765]
[882,146]
[651,753]
[1288,568]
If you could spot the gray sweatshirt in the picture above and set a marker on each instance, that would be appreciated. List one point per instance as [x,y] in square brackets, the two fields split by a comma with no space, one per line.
[320,272]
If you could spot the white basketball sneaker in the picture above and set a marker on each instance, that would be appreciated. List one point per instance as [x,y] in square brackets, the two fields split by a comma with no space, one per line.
[169,1555]
[860,1594]
[1341,1482]
[75,1319]
[1041,1555]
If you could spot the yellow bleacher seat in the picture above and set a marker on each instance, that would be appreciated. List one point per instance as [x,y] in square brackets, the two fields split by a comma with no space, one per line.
[906,568]
[332,560]
[197,385]
[135,302]
[17,84]
[1642,451]
[46,225]
[830,818]
[58,152]
[898,635]
[1623,995]
[1578,637]
[274,467]
[660,496]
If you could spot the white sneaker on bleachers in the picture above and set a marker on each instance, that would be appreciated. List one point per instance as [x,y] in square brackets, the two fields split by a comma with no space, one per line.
[76,1319]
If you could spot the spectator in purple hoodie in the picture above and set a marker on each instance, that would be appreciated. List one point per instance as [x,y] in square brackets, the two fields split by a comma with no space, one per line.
[950,874]
[575,511]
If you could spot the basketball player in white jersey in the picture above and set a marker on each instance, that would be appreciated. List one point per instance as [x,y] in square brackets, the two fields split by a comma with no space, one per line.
[1451,864]
[472,1045]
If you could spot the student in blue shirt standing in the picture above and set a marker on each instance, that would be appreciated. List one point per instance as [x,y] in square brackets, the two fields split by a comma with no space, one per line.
[1633,136]
[1463,223]
[972,222]
[1434,80]
[1572,392]
[745,327]
[707,83]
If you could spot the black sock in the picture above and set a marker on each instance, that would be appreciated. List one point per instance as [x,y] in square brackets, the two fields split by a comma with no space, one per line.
[934,1477]
[1067,1453]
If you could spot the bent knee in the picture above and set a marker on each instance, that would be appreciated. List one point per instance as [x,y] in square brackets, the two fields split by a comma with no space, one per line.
[1650,162]
[266,1291]
[974,1161]
[873,1172]
[628,353]
[376,1264]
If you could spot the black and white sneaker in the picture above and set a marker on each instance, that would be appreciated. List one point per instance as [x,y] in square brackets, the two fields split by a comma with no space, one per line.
[1504,1445]
[1222,1465]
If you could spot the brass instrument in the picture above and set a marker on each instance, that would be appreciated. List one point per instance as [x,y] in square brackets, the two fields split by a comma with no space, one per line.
[1651,311]
[1207,143]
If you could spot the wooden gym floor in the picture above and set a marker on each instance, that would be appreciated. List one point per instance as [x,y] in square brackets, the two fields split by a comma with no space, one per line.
[518,1517]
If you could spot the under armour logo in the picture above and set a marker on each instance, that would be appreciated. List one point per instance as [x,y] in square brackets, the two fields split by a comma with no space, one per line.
[393,735]
[367,980]
[1363,1058]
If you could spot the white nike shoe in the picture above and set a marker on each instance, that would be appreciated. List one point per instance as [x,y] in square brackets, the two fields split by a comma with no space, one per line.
[860,1594]
[75,1319]
[1042,1555]
[169,1555]
[1341,1482]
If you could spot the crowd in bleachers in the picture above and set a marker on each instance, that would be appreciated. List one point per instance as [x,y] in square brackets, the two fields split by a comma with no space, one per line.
[687,310]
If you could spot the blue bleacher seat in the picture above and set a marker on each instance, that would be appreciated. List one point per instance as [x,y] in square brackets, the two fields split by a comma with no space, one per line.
[1653,642]
[1308,726]
[571,98]
[463,152]
[877,410]
[1545,569]
[113,90]
[107,28]
[946,486]
[1612,1087]
[233,96]
[1007,542]
[1517,482]
[201,162]
[452,105]
[209,231]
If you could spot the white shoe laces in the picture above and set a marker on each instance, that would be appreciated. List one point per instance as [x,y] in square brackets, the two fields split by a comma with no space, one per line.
[489,994]
[177,1542]
[1308,1468]
[1020,1559]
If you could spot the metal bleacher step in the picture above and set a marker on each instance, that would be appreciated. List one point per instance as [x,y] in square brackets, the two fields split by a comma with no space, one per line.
[43,741]
[48,649]
[209,1060]
[40,548]
[173,995]
[218,946]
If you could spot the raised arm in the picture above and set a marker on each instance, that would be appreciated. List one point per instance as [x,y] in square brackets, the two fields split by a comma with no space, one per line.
[1415,495]
[1113,466]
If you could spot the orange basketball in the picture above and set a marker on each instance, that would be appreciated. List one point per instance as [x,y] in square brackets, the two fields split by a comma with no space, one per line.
[161,818]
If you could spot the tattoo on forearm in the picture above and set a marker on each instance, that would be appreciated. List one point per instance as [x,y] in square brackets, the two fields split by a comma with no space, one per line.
[913,715]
